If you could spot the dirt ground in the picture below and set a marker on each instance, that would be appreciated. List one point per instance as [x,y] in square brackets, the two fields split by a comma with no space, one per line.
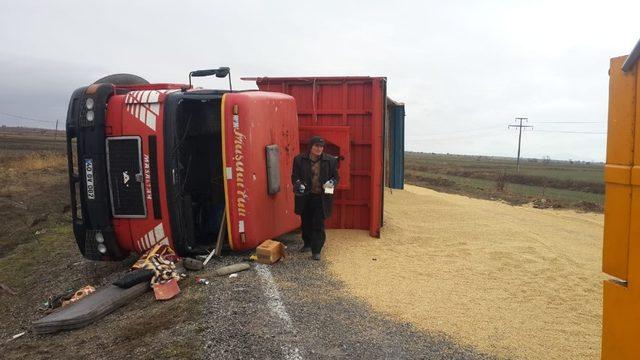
[514,282]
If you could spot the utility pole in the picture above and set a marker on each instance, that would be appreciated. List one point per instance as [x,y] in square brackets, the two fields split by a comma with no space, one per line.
[55,134]
[520,126]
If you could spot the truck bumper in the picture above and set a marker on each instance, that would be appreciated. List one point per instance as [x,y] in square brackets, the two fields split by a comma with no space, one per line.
[90,204]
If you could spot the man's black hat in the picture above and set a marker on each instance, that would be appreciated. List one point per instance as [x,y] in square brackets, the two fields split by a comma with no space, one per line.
[316,140]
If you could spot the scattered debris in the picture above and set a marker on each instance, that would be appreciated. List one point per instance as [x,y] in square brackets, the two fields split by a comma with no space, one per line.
[17,336]
[226,270]
[7,289]
[206,260]
[161,250]
[201,281]
[165,270]
[81,293]
[55,301]
[192,264]
[134,277]
[41,231]
[91,308]
[166,290]
[270,251]
[161,259]
[234,275]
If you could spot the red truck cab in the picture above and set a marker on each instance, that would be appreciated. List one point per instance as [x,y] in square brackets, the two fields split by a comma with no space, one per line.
[167,164]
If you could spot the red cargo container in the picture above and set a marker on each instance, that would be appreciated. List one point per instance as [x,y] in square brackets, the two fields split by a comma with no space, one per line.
[349,112]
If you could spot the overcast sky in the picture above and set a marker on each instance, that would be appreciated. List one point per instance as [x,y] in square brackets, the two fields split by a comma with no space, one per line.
[464,69]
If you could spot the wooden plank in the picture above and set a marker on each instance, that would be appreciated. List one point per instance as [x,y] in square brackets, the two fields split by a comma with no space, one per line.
[222,229]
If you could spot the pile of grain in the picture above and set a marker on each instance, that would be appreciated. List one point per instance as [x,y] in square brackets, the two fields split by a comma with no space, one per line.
[511,281]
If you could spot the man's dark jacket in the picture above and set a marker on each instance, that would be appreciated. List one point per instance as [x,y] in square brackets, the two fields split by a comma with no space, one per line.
[302,171]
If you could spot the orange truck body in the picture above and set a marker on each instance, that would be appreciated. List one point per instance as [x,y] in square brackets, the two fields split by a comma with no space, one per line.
[621,246]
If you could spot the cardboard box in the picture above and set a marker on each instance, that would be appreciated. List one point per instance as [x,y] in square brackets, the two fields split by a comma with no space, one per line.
[270,251]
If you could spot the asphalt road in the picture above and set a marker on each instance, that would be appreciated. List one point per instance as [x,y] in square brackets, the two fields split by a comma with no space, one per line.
[295,310]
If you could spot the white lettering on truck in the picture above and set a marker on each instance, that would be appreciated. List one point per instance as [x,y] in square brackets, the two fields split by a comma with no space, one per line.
[147,177]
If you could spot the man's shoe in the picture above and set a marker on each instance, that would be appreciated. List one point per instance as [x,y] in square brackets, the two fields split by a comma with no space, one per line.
[305,249]
[315,256]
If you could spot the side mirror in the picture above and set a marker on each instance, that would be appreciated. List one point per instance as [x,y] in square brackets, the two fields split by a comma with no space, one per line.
[223,72]
[220,72]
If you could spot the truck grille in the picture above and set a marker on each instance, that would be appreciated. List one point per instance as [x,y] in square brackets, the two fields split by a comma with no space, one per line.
[126,184]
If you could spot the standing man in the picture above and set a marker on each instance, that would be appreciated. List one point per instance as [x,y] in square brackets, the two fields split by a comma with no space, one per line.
[314,177]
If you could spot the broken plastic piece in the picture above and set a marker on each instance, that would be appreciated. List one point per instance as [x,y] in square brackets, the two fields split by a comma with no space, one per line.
[167,290]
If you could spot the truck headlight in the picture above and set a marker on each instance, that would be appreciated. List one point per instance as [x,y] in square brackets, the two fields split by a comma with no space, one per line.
[90,115]
[89,103]
[99,238]
[102,249]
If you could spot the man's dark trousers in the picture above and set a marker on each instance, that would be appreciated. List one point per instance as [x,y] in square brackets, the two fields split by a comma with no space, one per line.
[313,223]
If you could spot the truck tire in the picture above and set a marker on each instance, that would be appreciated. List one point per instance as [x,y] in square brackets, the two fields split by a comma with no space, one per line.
[122,79]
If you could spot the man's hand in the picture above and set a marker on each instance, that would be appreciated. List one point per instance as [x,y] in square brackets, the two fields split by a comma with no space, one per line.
[328,186]
[300,187]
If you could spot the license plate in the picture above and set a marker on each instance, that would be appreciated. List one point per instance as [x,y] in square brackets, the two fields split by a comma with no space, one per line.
[88,173]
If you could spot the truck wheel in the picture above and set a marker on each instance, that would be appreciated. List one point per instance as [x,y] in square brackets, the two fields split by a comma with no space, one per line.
[122,79]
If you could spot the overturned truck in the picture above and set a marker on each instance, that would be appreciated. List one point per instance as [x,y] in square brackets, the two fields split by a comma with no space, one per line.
[170,164]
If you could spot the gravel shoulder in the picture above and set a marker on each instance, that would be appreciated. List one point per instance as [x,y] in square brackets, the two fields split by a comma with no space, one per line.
[310,316]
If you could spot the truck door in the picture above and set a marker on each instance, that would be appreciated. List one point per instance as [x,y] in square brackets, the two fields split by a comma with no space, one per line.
[259,199]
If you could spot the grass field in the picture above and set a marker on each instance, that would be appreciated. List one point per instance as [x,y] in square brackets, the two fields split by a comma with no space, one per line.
[559,184]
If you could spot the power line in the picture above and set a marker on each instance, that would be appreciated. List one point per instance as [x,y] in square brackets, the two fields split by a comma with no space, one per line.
[464,131]
[520,127]
[27,118]
[572,132]
[569,122]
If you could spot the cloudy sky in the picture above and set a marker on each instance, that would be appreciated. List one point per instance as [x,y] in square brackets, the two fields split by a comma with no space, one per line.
[465,69]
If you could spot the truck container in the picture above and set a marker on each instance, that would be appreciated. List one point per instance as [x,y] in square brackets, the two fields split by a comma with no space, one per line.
[349,113]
